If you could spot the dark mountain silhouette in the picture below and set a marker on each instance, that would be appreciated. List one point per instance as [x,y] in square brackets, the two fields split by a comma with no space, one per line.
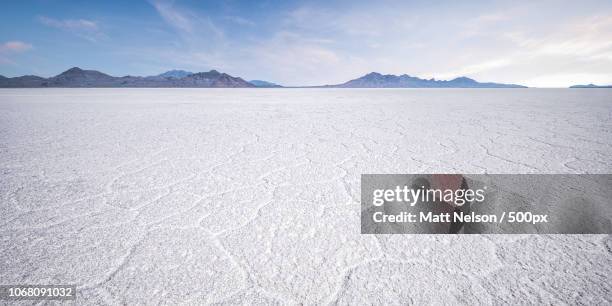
[377,80]
[77,77]
[213,78]
[591,86]
[22,81]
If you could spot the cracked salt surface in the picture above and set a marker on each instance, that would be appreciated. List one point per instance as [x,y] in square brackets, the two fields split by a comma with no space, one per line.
[251,196]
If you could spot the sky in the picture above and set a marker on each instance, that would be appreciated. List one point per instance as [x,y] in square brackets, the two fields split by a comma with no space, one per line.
[533,43]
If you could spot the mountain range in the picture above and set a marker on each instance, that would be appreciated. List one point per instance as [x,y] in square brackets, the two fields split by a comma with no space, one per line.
[591,86]
[377,80]
[77,77]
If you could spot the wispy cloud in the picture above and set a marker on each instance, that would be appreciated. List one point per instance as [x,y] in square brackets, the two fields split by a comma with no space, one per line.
[532,52]
[483,24]
[288,52]
[240,20]
[14,47]
[10,48]
[323,42]
[185,21]
[199,44]
[173,16]
[83,28]
[69,24]
[584,38]
[472,69]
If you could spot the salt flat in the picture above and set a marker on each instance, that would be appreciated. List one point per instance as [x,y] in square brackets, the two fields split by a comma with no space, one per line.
[252,196]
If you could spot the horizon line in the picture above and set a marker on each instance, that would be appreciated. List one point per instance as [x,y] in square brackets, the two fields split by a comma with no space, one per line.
[328,86]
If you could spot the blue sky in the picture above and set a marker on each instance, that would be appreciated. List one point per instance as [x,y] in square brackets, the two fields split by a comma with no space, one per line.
[536,43]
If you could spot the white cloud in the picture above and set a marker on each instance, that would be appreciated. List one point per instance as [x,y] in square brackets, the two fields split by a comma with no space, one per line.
[14,47]
[83,28]
[172,16]
[69,24]
[199,44]
[565,54]
[10,48]
[477,68]
[371,22]
[300,60]
[585,38]
[240,21]
[186,22]
[482,24]
[314,45]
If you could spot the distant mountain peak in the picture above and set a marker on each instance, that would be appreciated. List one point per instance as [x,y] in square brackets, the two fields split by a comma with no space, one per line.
[175,73]
[78,71]
[463,78]
[378,80]
[74,69]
